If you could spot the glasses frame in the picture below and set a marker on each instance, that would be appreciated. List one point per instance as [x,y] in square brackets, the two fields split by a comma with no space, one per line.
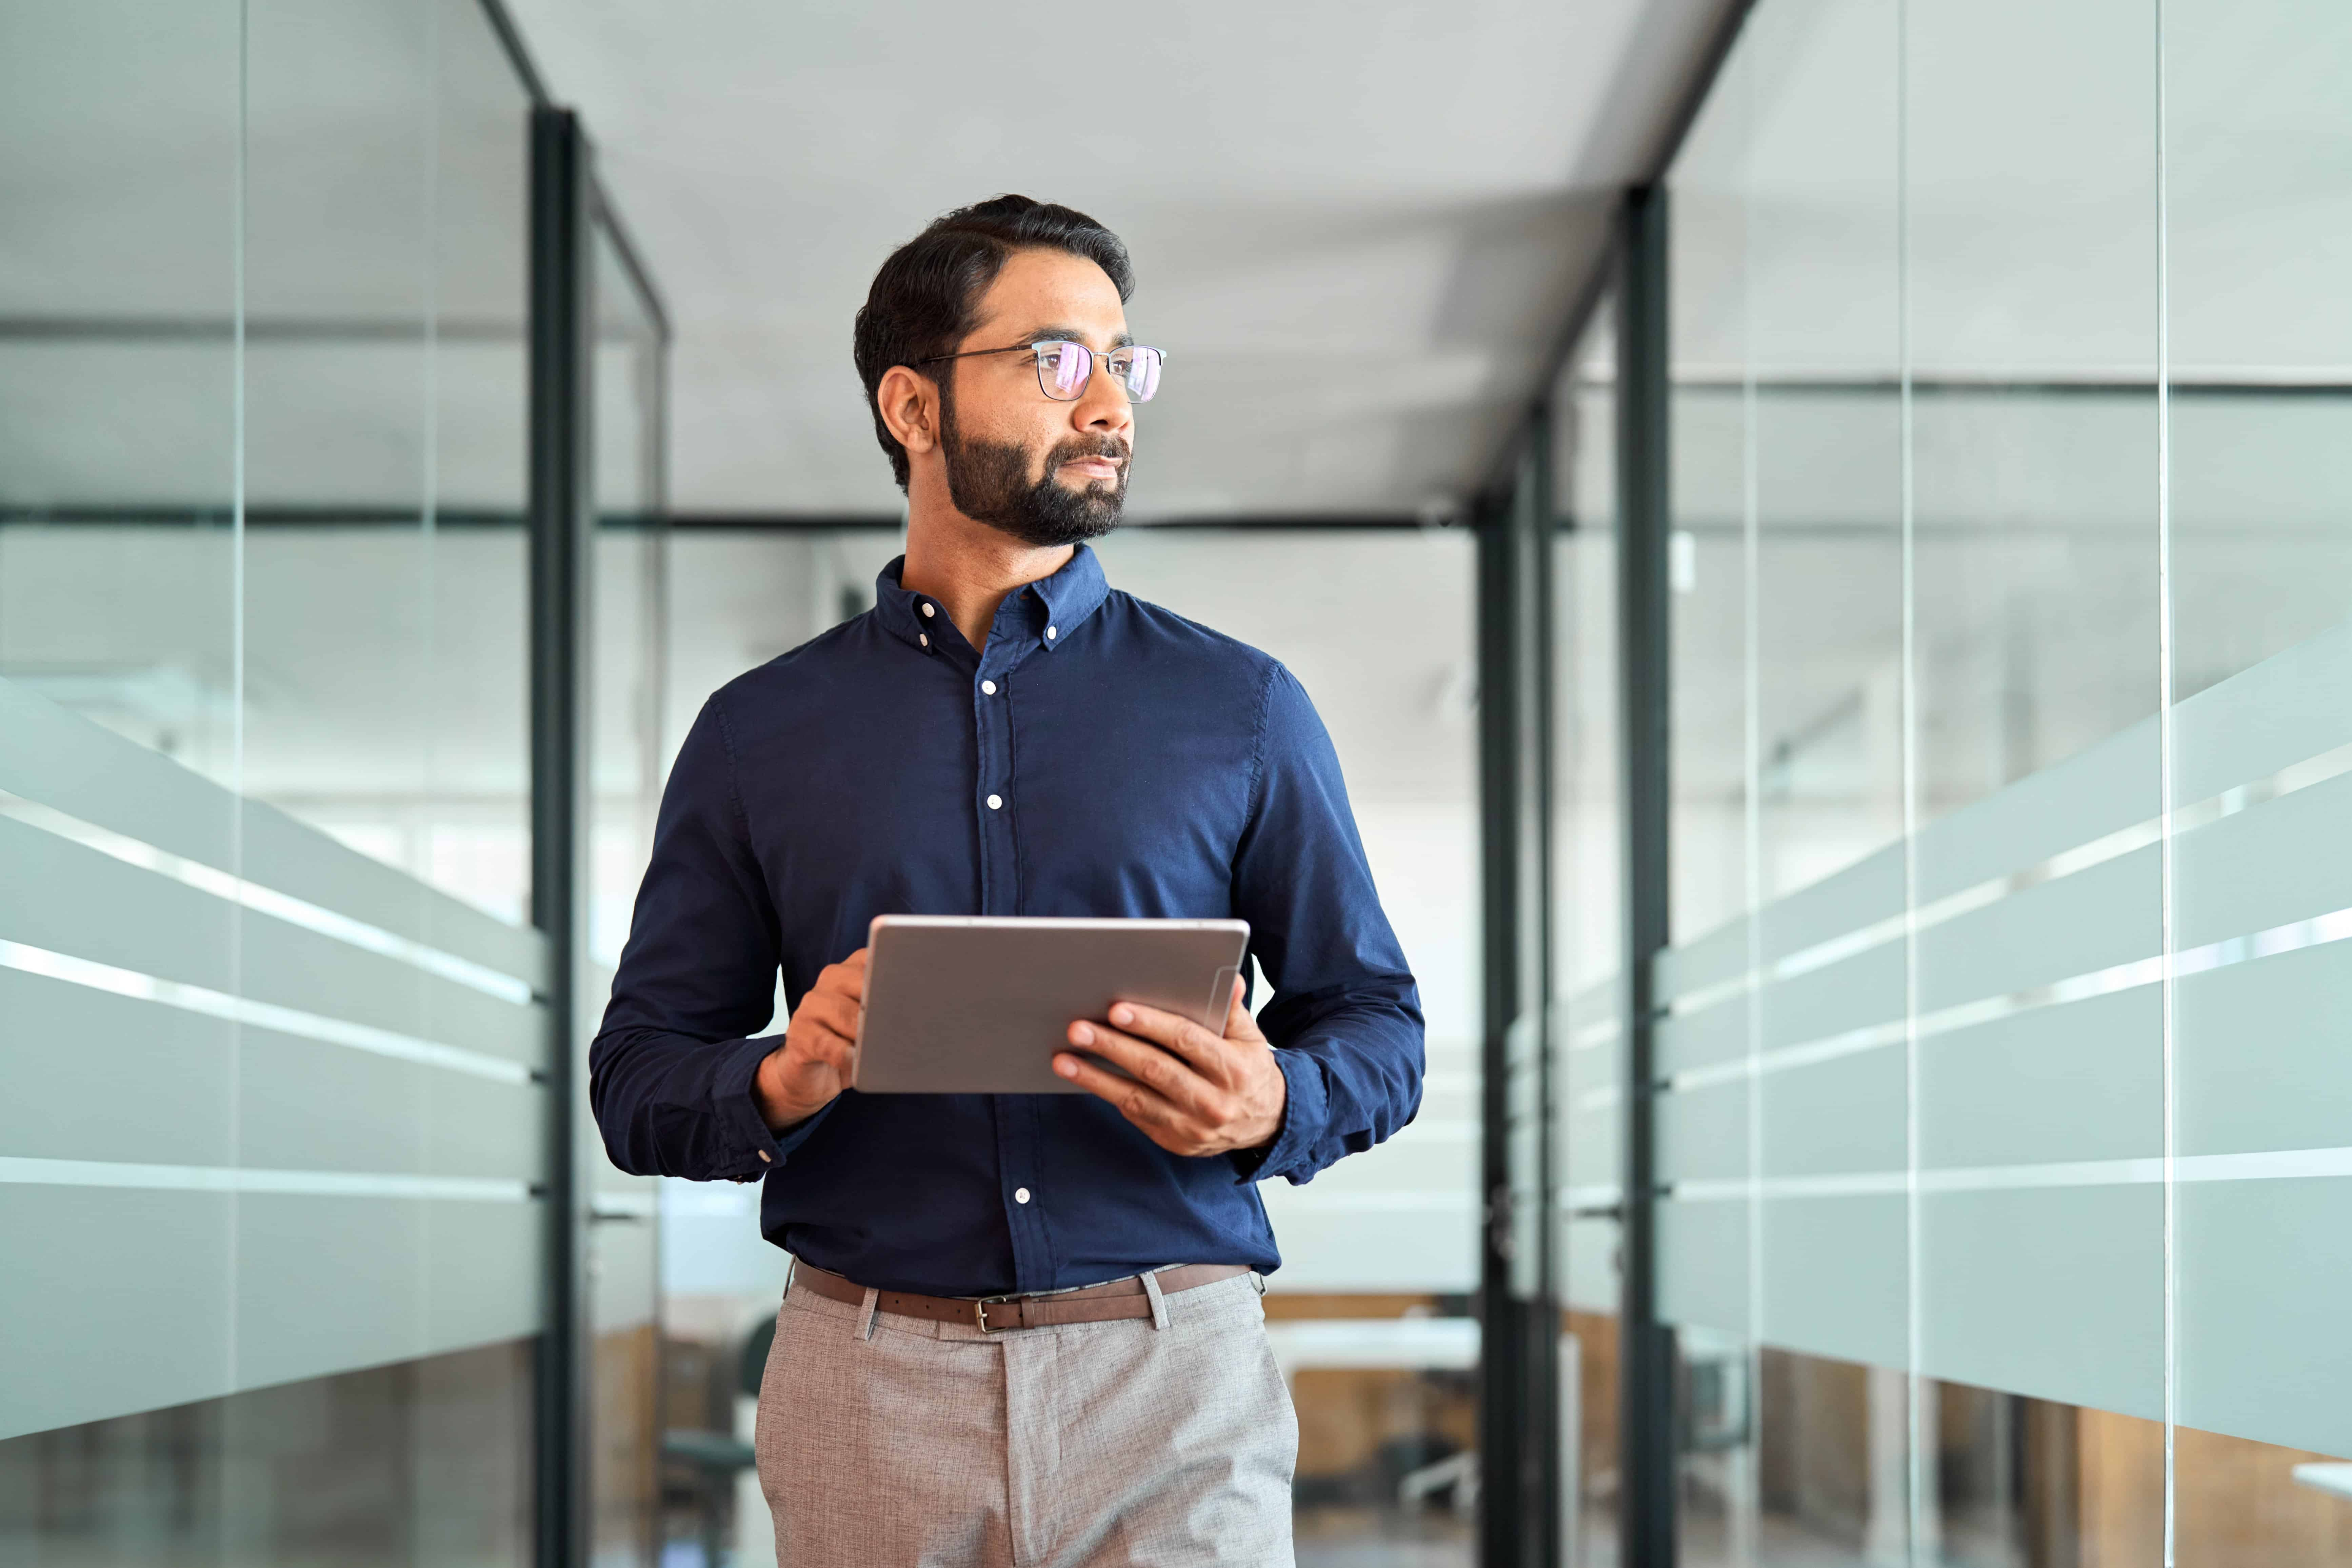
[1094,361]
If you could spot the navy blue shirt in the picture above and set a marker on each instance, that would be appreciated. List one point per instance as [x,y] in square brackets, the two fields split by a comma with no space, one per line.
[1100,757]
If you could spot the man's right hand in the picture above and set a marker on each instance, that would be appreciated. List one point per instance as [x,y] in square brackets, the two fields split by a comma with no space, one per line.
[819,1056]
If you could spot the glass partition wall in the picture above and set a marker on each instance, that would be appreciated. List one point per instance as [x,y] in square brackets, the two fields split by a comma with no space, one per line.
[274,992]
[2001,1122]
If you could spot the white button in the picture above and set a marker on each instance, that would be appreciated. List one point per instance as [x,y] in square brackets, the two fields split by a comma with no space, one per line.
[988,688]
[930,611]
[924,638]
[1052,632]
[1020,1195]
[995,802]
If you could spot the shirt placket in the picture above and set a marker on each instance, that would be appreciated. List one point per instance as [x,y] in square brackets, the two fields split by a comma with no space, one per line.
[995,801]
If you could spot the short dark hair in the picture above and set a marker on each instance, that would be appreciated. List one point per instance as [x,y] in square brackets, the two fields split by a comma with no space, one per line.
[923,300]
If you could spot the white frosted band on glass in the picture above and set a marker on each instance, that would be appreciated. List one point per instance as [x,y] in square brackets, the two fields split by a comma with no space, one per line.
[144,1297]
[2091,922]
[240,1010]
[59,759]
[94,906]
[251,895]
[1813,921]
[2272,1165]
[2264,720]
[239,1178]
[2104,789]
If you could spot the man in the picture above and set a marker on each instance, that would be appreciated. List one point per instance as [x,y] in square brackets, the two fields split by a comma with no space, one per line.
[1021,1329]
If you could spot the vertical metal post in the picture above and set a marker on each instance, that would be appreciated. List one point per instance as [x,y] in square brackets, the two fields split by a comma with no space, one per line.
[1648,1457]
[1518,1425]
[560,523]
[1502,1376]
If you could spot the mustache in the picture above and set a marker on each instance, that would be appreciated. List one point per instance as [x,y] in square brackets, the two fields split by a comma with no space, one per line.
[1086,446]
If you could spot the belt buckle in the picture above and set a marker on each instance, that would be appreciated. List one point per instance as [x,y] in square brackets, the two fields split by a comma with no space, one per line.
[980,1313]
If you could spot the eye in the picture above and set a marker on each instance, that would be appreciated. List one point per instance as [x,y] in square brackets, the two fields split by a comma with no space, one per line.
[1066,363]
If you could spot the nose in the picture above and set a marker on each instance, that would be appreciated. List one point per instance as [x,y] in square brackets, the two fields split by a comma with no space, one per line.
[1103,408]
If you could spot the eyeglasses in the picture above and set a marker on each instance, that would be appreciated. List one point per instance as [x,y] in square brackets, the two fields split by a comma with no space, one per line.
[1064,368]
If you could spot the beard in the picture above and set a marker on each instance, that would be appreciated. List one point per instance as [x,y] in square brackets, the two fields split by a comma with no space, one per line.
[989,482]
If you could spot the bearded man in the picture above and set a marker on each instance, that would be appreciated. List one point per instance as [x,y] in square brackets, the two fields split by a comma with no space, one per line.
[1020,1329]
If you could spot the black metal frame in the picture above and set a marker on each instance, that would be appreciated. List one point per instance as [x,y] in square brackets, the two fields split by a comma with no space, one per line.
[1646,1356]
[561,452]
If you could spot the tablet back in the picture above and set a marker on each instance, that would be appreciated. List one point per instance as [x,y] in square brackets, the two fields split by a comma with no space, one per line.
[974,1005]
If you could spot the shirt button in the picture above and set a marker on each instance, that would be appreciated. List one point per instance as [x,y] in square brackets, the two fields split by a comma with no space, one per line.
[924,638]
[765,1159]
[1052,632]
[930,611]
[988,688]
[996,803]
[1020,1195]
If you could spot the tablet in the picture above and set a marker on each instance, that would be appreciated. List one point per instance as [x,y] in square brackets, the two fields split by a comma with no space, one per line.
[979,1004]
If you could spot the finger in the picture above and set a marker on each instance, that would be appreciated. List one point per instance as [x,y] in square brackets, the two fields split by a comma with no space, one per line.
[1188,1040]
[1239,1024]
[846,978]
[834,1011]
[1134,1101]
[1171,1078]
[818,1046]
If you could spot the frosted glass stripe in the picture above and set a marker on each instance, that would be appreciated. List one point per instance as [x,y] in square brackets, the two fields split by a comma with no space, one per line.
[2107,789]
[2295,1004]
[2080,1080]
[2286,859]
[1855,993]
[57,758]
[1718,958]
[1865,895]
[127,918]
[252,895]
[244,1009]
[2265,1280]
[20,1171]
[2264,719]
[2052,1292]
[2094,920]
[2272,1165]
[1835,1280]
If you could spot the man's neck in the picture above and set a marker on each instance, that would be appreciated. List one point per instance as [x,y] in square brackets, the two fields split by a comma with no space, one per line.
[970,567]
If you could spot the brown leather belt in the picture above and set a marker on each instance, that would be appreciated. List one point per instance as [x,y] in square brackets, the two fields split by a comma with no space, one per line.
[994,1314]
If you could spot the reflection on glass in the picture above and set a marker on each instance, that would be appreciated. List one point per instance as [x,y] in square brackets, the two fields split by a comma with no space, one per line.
[2258,222]
[421,1462]
[117,370]
[625,765]
[1588,939]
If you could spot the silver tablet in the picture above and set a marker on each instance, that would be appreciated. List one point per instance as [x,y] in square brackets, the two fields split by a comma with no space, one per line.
[979,1004]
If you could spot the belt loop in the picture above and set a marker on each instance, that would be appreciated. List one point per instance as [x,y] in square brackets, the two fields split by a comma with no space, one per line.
[866,1313]
[1159,1302]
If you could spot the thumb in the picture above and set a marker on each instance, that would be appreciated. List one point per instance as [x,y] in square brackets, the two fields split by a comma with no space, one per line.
[1239,1025]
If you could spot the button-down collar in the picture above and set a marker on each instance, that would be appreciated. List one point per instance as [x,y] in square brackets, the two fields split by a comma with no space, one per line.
[1042,615]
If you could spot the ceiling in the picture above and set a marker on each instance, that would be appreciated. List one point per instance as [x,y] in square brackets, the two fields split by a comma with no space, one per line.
[1396,203]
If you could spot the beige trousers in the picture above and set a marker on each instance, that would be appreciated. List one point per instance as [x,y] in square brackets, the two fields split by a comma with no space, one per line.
[895,1442]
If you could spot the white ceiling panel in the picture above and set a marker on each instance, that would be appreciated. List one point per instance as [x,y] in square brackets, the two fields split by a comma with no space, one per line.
[1356,229]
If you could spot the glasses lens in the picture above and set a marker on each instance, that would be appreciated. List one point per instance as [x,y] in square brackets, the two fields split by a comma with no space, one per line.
[1063,369]
[1140,372]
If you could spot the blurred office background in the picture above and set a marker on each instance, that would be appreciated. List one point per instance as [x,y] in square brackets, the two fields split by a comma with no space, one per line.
[1822,530]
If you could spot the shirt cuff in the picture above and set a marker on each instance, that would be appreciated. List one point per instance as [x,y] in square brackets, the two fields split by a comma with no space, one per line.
[752,1150]
[1304,1107]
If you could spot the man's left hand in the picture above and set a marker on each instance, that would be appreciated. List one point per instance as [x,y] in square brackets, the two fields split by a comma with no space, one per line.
[1193,1091]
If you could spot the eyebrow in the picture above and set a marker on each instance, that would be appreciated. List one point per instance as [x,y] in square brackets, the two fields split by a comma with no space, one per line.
[1124,340]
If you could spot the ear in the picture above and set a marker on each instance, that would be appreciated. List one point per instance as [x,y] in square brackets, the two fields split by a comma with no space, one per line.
[911,409]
